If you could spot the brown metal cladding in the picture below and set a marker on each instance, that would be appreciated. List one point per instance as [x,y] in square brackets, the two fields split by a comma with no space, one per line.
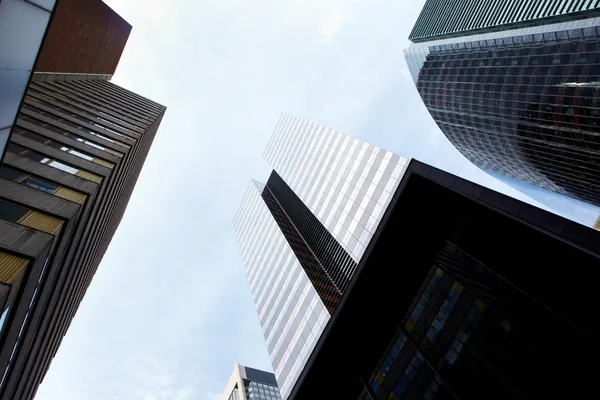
[102,208]
[85,36]
[10,267]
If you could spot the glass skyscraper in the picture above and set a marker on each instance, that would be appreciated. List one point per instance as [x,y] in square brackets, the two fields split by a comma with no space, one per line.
[523,103]
[251,384]
[303,232]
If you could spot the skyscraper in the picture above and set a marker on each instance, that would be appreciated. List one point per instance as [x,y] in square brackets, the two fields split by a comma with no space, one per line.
[67,173]
[303,233]
[463,293]
[521,101]
[453,18]
[250,384]
[459,292]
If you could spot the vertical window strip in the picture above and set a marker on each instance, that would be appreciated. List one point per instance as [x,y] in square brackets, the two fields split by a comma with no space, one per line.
[388,361]
[444,312]
[419,307]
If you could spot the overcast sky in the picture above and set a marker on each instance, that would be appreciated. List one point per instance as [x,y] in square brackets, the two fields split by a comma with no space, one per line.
[169,310]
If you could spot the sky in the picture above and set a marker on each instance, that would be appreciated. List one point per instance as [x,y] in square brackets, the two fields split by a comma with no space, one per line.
[169,310]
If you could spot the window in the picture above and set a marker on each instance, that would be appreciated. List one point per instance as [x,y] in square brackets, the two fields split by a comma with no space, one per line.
[63,167]
[39,184]
[418,309]
[464,331]
[55,144]
[12,212]
[35,156]
[440,320]
[407,376]
[388,361]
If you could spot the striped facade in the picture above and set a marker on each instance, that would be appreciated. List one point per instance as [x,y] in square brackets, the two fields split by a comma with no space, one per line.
[451,18]
[70,166]
[302,234]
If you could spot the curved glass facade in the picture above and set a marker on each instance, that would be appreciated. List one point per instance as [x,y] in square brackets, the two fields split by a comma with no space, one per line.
[524,106]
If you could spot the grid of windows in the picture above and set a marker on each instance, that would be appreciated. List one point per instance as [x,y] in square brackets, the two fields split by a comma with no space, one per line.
[261,391]
[464,331]
[388,361]
[347,184]
[291,313]
[419,307]
[523,106]
[440,320]
[459,17]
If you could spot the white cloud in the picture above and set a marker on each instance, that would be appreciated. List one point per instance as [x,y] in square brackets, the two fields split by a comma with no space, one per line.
[331,25]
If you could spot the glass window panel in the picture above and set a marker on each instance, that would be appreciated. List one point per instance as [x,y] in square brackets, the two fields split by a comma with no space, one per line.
[18,46]
[11,212]
[13,83]
[40,184]
[11,173]
[81,155]
[63,167]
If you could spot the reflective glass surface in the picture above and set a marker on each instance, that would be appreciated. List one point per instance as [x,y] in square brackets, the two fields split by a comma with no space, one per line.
[525,106]
[347,185]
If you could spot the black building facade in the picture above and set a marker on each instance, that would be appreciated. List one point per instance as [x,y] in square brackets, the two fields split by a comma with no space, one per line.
[478,305]
[525,106]
[323,259]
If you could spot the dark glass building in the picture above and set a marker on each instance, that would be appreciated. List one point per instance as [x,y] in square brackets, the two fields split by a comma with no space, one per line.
[69,167]
[463,293]
[523,103]
[452,18]
[251,384]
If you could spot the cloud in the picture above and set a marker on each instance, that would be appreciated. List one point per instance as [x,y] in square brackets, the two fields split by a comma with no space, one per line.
[331,25]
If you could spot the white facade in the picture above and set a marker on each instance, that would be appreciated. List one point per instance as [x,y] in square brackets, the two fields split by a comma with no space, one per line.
[347,184]
[22,28]
[241,386]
